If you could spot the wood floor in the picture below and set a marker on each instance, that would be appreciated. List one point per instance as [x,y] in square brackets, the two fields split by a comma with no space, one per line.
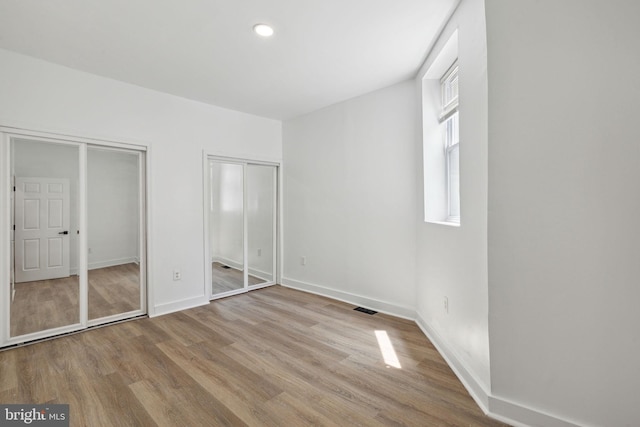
[47,304]
[271,357]
[226,279]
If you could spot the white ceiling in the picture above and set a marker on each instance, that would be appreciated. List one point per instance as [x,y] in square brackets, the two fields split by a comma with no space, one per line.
[323,51]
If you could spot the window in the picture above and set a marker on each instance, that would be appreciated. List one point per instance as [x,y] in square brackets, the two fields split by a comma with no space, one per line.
[450,121]
[441,134]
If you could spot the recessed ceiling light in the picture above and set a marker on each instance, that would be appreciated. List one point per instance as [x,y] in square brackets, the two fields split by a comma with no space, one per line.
[263,30]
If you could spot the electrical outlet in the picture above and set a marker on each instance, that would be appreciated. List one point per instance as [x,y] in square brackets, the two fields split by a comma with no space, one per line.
[90,250]
[177,275]
[303,260]
[259,252]
[445,303]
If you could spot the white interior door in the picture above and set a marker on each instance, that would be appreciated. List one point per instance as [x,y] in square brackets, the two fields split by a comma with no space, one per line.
[41,229]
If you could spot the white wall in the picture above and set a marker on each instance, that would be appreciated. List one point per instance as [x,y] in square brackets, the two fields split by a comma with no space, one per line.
[564,203]
[452,261]
[349,199]
[113,199]
[40,95]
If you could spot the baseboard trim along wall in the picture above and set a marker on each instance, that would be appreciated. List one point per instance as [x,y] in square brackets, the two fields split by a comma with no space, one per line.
[103,264]
[508,412]
[260,274]
[473,386]
[495,407]
[228,262]
[112,263]
[239,266]
[184,304]
[374,304]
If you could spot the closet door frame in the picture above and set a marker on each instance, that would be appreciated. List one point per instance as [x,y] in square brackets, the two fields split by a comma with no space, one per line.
[276,246]
[7,134]
[142,230]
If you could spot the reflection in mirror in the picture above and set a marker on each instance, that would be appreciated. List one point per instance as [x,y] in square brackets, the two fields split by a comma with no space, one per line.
[113,231]
[44,285]
[226,220]
[261,221]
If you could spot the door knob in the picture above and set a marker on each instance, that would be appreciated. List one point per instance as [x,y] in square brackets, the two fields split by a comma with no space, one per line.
[63,232]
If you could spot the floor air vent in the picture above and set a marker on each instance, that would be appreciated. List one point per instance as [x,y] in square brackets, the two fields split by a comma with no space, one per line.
[365,310]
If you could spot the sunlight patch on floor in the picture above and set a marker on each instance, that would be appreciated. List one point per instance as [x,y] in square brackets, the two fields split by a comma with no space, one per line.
[386,348]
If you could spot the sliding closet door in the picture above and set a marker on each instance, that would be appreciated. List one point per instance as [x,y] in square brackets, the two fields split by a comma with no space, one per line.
[261,223]
[44,291]
[73,216]
[242,215]
[115,232]
[226,227]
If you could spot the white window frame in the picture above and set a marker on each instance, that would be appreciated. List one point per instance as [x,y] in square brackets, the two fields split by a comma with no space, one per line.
[450,120]
[437,169]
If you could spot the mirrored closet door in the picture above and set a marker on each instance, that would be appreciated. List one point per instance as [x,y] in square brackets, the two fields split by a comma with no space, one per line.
[76,247]
[261,223]
[242,217]
[44,290]
[114,206]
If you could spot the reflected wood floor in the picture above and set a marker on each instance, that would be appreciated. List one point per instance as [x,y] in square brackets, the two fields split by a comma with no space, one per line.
[229,279]
[114,290]
[47,304]
[271,357]
[44,304]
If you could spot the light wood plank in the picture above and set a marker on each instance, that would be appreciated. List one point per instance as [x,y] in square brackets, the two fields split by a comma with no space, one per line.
[271,357]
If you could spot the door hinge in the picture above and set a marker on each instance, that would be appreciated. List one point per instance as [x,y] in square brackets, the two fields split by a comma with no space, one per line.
[14,227]
[14,188]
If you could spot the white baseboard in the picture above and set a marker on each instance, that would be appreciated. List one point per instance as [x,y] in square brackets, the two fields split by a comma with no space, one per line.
[260,274]
[500,409]
[173,306]
[374,304]
[523,416]
[112,262]
[473,386]
[239,266]
[227,261]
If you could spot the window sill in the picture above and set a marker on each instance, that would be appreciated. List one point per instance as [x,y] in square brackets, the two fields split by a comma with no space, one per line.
[449,223]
